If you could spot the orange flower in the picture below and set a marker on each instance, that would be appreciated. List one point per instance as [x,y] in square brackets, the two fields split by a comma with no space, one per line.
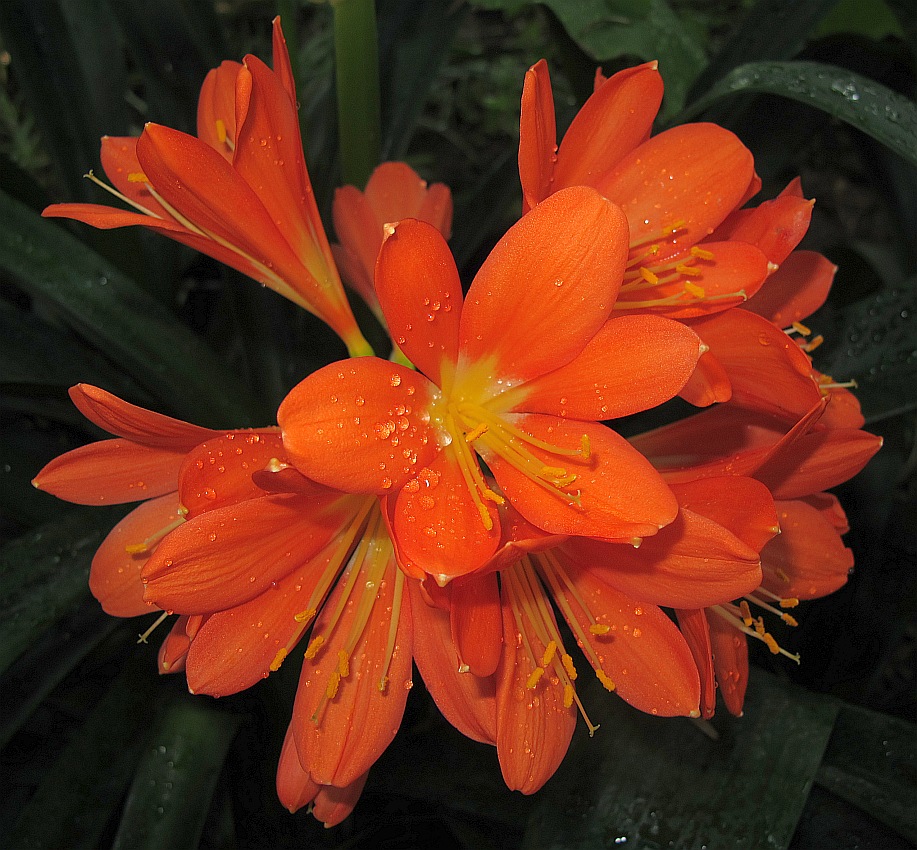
[239,192]
[676,189]
[518,374]
[394,192]
[610,595]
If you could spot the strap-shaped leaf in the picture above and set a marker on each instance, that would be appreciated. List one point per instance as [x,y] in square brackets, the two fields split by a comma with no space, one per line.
[111,312]
[863,103]
[173,785]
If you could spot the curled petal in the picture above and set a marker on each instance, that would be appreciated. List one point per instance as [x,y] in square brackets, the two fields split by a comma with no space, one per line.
[477,623]
[696,632]
[114,578]
[360,426]
[136,423]
[570,252]
[333,804]
[295,788]
[807,560]
[227,556]
[708,384]
[418,287]
[282,66]
[843,410]
[537,136]
[111,472]
[216,109]
[632,364]
[616,493]
[466,701]
[174,649]
[796,290]
[775,226]
[730,662]
[437,524]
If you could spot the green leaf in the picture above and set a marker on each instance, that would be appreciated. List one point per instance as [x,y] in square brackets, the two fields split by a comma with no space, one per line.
[646,29]
[878,349]
[653,782]
[865,104]
[111,312]
[45,573]
[82,789]
[871,762]
[770,29]
[871,18]
[170,796]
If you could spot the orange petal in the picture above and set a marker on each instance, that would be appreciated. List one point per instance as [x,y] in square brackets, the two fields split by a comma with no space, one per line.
[796,290]
[334,804]
[537,136]
[216,109]
[708,384]
[570,252]
[808,559]
[696,632]
[136,423]
[295,788]
[282,66]
[240,646]
[340,737]
[437,524]
[477,624]
[114,578]
[688,178]
[436,208]
[174,649]
[691,563]
[613,121]
[730,661]
[843,410]
[620,494]
[466,701]
[228,556]
[111,472]
[830,509]
[395,191]
[361,426]
[775,227]
[743,505]
[219,472]
[632,364]
[518,537]
[766,368]
[643,652]
[418,287]
[818,461]
[534,732]
[119,160]
[360,235]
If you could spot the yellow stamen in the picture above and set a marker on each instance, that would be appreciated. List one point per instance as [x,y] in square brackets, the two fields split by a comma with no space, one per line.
[648,276]
[333,685]
[599,629]
[568,695]
[533,680]
[800,328]
[690,271]
[343,664]
[305,616]
[154,539]
[471,436]
[549,653]
[701,253]
[746,613]
[278,660]
[695,290]
[314,646]
[813,344]
[605,680]
[137,177]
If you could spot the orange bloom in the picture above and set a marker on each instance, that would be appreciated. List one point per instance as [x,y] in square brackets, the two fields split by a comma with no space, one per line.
[518,374]
[239,192]
[676,189]
[394,192]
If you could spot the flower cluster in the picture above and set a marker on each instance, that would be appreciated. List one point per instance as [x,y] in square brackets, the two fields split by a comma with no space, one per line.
[442,507]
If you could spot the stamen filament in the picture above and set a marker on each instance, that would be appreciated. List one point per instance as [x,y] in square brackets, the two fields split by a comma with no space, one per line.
[764,636]
[143,638]
[90,175]
[154,539]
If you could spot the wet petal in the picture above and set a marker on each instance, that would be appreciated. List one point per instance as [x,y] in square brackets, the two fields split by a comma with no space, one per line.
[620,494]
[361,426]
[730,661]
[643,652]
[136,423]
[808,559]
[696,632]
[533,726]
[418,287]
[219,472]
[114,578]
[281,56]
[120,163]
[613,121]
[340,737]
[693,175]
[774,226]
[360,236]
[537,136]
[228,556]
[477,623]
[174,649]
[708,384]
[111,472]
[632,364]
[216,109]
[438,525]
[691,563]
[466,701]
[556,273]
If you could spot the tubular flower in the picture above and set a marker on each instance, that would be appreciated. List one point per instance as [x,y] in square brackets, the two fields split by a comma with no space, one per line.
[239,192]
[394,192]
[610,595]
[524,397]
[676,189]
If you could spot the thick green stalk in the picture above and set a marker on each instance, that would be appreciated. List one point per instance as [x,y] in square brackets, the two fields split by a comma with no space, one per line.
[357,66]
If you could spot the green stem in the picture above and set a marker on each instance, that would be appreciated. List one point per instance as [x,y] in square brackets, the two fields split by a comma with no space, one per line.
[357,65]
